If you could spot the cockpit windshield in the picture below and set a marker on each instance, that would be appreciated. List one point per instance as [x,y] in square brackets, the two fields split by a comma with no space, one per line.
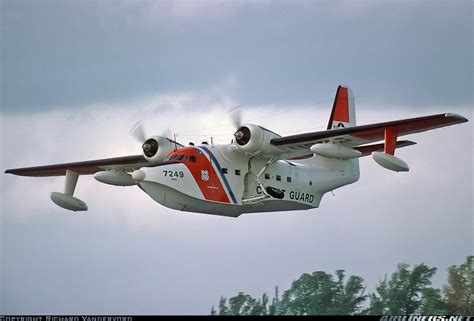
[180,158]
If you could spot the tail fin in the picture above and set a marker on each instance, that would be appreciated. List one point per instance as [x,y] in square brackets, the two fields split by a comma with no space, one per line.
[343,109]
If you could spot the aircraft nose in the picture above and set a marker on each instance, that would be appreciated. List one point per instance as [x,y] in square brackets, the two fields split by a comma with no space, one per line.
[138,175]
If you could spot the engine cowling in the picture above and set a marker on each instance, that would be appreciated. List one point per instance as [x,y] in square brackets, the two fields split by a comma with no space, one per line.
[254,139]
[156,148]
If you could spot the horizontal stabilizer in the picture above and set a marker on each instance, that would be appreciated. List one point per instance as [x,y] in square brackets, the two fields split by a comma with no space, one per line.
[369,149]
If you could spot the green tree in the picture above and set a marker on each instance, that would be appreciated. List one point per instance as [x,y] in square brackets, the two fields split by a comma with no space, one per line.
[243,304]
[379,300]
[274,308]
[311,294]
[459,292]
[349,296]
[403,293]
[223,309]
[319,294]
[262,306]
[433,304]
[407,291]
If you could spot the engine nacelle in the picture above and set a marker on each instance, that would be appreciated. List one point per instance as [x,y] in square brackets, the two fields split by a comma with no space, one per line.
[156,148]
[254,139]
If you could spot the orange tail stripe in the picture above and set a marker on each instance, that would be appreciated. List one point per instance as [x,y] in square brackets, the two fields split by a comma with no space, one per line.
[341,112]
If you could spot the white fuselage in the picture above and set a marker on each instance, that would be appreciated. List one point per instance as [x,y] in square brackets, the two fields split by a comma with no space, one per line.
[224,180]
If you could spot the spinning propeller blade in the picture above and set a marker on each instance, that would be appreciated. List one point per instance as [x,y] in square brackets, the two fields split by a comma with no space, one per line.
[235,115]
[138,132]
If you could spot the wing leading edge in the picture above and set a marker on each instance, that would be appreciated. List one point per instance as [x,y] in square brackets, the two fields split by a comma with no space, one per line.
[82,168]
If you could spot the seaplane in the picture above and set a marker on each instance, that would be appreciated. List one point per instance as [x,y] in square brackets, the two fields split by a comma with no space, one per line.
[258,171]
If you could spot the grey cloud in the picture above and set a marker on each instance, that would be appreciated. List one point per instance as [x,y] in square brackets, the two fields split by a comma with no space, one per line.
[66,54]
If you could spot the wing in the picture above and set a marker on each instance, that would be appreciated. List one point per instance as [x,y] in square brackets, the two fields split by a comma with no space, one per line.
[365,134]
[127,163]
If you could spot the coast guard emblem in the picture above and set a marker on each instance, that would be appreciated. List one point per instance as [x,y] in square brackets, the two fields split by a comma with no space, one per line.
[204,174]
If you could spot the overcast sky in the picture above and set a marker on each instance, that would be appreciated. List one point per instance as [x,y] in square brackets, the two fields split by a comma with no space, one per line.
[76,76]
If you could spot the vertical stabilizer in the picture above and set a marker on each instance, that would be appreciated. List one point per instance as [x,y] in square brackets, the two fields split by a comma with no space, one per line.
[343,109]
[342,116]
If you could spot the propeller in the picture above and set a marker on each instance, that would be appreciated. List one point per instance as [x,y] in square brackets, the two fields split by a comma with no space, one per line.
[167,133]
[242,134]
[149,146]
[138,132]
[235,115]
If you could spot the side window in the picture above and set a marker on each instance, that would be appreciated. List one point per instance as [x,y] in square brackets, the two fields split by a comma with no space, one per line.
[278,178]
[267,176]
[192,159]
[224,170]
[237,172]
[288,179]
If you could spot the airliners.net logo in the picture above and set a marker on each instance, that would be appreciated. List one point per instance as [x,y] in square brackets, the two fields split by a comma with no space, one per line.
[426,318]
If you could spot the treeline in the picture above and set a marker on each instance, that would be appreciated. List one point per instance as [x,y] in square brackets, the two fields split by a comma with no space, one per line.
[407,291]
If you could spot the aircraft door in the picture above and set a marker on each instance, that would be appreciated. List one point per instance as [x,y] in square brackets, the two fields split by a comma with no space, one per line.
[251,188]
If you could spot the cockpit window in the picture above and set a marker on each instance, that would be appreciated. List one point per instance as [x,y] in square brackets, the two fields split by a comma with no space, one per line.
[182,158]
[174,157]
